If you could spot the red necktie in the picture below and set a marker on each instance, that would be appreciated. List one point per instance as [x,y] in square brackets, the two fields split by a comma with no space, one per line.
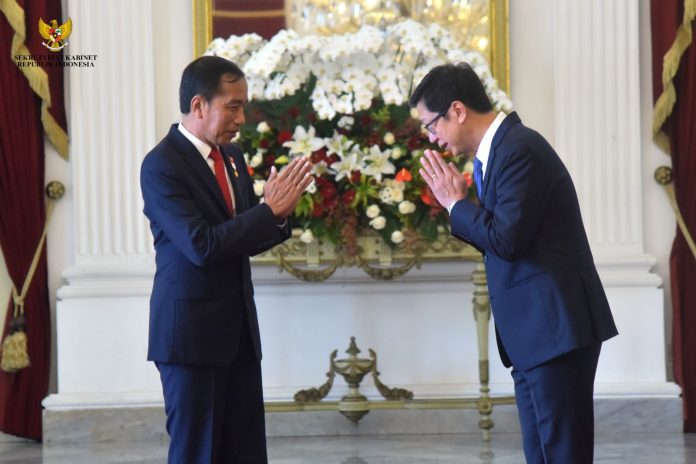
[219,167]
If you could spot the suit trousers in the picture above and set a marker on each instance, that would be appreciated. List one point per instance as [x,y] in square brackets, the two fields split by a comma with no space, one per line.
[215,415]
[556,409]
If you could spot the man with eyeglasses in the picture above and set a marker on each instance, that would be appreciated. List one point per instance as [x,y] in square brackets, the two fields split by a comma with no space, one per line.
[550,310]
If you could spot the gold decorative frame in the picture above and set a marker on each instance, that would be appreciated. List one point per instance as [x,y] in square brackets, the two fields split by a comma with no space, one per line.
[499,56]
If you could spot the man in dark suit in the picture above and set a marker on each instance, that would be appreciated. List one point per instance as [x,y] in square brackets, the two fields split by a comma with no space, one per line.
[204,334]
[551,314]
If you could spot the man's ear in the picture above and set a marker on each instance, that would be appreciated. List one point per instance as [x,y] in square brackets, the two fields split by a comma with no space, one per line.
[460,111]
[197,105]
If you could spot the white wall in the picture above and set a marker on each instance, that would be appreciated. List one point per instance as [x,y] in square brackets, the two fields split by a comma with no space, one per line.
[102,314]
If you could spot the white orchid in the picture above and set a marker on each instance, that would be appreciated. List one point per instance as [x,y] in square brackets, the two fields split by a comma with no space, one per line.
[345,119]
[353,68]
[345,166]
[339,144]
[304,142]
[376,163]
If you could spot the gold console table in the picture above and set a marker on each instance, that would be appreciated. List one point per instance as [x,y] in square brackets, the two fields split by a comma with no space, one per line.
[316,262]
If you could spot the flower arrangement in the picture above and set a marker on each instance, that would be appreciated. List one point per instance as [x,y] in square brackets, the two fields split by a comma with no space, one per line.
[342,101]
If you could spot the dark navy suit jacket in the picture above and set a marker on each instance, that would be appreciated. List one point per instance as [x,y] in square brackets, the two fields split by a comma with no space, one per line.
[545,293]
[202,284]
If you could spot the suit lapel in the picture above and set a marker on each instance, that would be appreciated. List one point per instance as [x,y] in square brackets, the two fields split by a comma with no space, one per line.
[195,161]
[507,123]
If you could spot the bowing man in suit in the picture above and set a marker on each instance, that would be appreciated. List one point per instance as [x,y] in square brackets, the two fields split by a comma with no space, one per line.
[550,311]
[205,220]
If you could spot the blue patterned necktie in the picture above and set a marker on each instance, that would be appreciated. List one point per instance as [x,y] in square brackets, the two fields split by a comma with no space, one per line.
[478,175]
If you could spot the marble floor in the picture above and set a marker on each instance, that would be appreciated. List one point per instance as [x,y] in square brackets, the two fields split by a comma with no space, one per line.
[635,448]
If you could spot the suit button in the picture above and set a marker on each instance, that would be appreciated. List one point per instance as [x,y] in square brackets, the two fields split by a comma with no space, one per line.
[485,259]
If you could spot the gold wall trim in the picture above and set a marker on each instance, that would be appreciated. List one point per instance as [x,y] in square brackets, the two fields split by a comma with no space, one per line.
[249,14]
[499,36]
[500,56]
[202,26]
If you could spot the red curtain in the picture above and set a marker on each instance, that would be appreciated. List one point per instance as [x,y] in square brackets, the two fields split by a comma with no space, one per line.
[680,128]
[22,209]
[237,17]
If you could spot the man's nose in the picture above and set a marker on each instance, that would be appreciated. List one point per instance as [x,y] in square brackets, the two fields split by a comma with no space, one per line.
[432,137]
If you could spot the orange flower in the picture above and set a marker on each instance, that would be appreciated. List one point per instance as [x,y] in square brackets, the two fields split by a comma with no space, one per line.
[403,175]
[469,180]
[426,196]
[251,170]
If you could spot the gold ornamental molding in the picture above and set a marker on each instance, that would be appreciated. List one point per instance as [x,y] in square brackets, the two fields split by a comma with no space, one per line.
[318,261]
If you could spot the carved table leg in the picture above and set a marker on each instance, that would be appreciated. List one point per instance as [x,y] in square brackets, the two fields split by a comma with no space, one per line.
[482,315]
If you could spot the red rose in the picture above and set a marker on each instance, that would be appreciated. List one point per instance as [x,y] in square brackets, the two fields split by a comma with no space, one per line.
[318,156]
[332,159]
[317,210]
[327,191]
[264,143]
[284,136]
[348,197]
[294,112]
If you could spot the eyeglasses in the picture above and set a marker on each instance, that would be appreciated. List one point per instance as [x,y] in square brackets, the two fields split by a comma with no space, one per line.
[429,127]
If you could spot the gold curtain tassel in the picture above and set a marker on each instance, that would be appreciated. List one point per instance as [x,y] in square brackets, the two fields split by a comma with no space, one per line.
[15,355]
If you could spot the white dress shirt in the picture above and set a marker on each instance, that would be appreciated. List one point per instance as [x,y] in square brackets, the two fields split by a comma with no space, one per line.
[204,149]
[484,148]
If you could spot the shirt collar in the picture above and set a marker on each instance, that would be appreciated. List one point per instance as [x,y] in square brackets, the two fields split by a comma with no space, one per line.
[203,148]
[484,149]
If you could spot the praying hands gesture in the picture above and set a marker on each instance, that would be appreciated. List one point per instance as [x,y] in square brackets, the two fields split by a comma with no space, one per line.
[283,190]
[444,179]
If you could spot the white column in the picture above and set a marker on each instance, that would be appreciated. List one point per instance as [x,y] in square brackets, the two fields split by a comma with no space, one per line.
[102,311]
[112,121]
[598,135]
[598,132]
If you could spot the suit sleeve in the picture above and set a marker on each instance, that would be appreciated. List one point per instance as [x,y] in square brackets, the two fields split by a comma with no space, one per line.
[522,188]
[174,214]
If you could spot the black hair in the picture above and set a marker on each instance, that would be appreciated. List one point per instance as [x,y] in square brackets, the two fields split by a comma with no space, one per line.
[449,82]
[202,77]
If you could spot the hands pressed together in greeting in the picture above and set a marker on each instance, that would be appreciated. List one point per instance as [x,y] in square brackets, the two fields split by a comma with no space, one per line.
[444,179]
[283,190]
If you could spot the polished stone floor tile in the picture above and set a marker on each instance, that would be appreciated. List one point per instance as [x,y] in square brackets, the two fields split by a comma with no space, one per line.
[386,449]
